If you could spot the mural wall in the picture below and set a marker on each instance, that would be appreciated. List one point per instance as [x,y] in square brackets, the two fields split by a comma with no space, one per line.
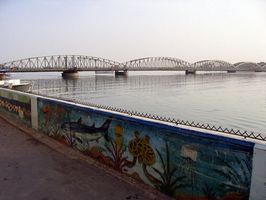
[181,163]
[17,105]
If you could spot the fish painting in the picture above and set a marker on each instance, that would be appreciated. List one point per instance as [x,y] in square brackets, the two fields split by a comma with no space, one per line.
[94,133]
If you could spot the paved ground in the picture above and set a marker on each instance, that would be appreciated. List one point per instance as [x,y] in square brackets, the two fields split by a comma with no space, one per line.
[32,171]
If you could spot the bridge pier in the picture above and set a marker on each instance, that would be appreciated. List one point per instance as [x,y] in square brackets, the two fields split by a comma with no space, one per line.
[70,73]
[190,71]
[121,73]
[231,71]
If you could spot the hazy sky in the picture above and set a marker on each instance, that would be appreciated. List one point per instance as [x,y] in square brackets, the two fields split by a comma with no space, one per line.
[192,30]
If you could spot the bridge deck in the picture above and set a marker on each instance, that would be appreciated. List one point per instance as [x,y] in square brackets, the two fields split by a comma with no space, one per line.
[112,69]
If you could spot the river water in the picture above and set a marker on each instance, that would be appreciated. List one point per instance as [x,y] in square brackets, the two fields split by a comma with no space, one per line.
[236,100]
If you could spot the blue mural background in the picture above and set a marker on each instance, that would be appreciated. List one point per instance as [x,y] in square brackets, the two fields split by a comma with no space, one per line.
[182,163]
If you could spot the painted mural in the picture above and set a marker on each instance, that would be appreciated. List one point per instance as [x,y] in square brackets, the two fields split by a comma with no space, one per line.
[183,164]
[17,105]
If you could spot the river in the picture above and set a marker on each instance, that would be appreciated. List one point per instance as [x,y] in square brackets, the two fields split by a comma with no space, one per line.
[231,100]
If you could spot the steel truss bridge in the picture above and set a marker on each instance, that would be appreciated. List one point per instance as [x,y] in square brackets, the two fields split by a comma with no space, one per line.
[89,63]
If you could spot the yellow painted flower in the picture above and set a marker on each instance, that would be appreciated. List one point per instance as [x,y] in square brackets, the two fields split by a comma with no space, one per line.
[118,135]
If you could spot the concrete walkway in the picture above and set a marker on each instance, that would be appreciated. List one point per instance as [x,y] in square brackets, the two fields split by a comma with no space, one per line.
[30,170]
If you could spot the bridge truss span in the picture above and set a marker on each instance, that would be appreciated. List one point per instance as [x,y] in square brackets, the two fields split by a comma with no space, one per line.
[213,65]
[157,63]
[250,66]
[61,63]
